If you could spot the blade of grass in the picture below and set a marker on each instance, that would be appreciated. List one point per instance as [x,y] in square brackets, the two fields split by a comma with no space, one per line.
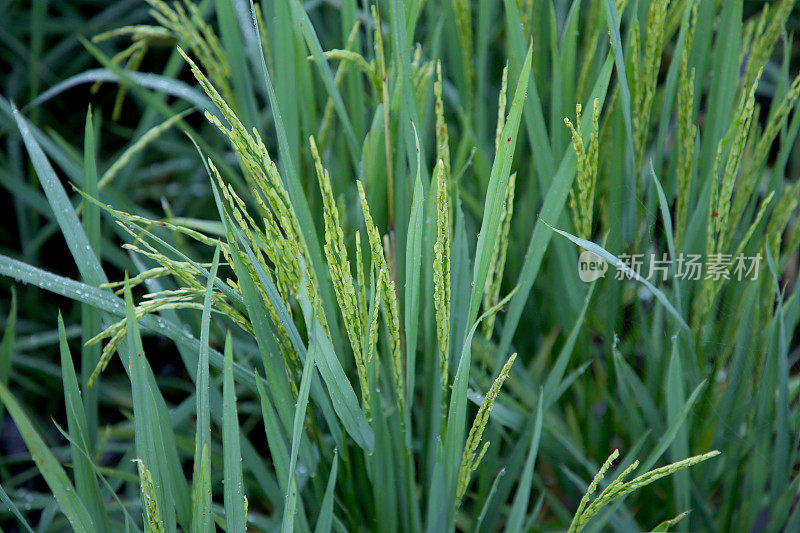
[275,437]
[169,86]
[538,134]
[617,263]
[68,500]
[114,306]
[437,500]
[85,482]
[297,433]
[666,218]
[296,194]
[70,165]
[301,19]
[552,208]
[669,435]
[71,228]
[725,73]
[495,195]
[413,269]
[631,172]
[14,510]
[675,397]
[520,506]
[489,500]
[325,519]
[279,451]
[342,395]
[286,78]
[7,346]
[408,116]
[235,512]
[90,317]
[202,514]
[783,439]
[150,448]
[457,412]
[233,44]
[555,374]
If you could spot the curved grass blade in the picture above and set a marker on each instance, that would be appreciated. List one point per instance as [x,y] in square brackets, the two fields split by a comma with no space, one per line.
[154,82]
[489,500]
[68,500]
[666,217]
[68,163]
[666,524]
[106,301]
[342,395]
[14,510]
[617,263]
[85,482]
[71,228]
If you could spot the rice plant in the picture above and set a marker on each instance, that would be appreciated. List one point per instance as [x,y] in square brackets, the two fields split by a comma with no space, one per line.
[401,266]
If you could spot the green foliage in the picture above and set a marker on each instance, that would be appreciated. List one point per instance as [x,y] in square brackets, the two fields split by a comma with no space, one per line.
[253,189]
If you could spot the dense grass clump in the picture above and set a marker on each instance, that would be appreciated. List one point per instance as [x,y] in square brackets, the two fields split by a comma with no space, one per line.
[331,266]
